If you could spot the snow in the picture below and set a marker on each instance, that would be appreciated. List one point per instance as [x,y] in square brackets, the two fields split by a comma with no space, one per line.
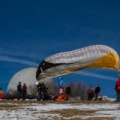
[30,111]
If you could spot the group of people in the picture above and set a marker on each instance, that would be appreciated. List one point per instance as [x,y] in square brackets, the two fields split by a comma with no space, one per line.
[63,94]
[43,95]
[67,90]
[93,93]
[21,90]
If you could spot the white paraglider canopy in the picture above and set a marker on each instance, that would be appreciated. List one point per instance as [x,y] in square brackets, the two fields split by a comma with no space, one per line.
[94,56]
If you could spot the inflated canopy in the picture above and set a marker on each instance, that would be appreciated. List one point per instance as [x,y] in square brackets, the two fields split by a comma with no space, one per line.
[95,56]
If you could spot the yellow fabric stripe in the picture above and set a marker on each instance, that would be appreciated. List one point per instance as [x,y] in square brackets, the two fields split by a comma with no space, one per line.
[109,61]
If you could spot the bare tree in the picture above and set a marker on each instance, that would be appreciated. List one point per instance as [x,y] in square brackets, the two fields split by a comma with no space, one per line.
[11,92]
[52,87]
[78,90]
[32,89]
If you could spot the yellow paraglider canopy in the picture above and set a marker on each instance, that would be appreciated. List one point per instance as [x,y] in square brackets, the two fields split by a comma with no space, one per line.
[95,56]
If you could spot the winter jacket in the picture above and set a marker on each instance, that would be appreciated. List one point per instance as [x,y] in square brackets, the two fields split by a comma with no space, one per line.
[90,91]
[97,89]
[19,87]
[68,90]
[117,87]
[24,89]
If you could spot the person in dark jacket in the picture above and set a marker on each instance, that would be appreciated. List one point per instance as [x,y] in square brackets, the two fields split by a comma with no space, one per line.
[68,90]
[41,91]
[19,90]
[24,91]
[97,91]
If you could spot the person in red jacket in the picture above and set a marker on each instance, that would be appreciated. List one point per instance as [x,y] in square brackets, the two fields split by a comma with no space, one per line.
[90,93]
[117,88]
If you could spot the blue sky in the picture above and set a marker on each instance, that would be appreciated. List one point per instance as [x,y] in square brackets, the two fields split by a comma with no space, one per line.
[32,30]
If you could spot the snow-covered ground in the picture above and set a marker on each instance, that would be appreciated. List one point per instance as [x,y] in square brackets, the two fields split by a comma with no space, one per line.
[42,111]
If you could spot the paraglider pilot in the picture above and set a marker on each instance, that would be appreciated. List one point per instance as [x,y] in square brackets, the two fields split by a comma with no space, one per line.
[41,91]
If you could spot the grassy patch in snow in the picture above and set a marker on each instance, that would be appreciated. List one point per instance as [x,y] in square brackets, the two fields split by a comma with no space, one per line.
[8,107]
[71,112]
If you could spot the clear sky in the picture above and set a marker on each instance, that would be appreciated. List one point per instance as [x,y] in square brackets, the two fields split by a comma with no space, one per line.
[32,30]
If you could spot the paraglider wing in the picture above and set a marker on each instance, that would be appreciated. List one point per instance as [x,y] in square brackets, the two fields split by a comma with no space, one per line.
[95,56]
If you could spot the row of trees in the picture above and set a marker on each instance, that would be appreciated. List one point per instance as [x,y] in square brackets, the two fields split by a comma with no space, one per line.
[78,90]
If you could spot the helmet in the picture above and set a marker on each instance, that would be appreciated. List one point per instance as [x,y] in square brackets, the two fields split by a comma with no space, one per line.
[37,83]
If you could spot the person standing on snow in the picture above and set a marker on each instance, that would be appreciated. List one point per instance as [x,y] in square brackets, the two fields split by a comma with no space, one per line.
[117,88]
[97,91]
[24,91]
[19,90]
[68,90]
[90,93]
